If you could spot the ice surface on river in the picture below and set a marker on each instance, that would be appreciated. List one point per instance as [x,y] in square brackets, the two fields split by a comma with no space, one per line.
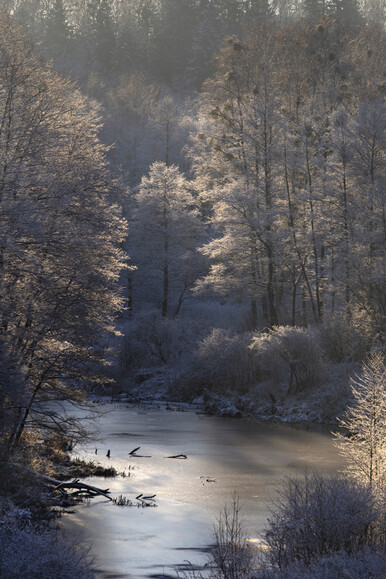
[224,455]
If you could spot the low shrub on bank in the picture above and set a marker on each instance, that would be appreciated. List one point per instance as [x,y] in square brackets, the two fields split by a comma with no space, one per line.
[346,338]
[291,356]
[367,562]
[36,551]
[224,361]
[289,359]
[316,517]
[232,556]
[41,554]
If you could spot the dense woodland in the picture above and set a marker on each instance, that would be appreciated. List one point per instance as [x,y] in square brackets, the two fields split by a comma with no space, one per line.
[192,201]
[281,148]
[218,174]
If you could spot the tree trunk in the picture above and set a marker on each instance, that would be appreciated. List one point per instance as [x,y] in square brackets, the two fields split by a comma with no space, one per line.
[273,317]
[165,297]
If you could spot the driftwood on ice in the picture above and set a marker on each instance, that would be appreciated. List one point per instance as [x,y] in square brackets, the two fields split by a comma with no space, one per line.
[83,488]
[80,487]
[134,453]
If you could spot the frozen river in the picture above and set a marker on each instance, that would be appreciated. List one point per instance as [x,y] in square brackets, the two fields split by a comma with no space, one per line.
[223,456]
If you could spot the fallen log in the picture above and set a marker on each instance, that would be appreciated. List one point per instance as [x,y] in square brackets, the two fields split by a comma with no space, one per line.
[83,487]
[134,453]
[61,486]
[74,484]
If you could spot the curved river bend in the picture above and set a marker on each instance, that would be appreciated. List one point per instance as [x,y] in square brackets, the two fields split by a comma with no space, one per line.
[223,456]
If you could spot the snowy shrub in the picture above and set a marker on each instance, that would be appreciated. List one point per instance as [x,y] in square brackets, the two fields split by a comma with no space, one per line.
[20,484]
[13,516]
[347,339]
[227,361]
[152,341]
[316,517]
[41,554]
[232,556]
[333,398]
[366,562]
[291,355]
[224,362]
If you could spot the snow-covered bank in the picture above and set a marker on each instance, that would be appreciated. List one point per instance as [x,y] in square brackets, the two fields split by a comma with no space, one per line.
[31,550]
[287,374]
[321,404]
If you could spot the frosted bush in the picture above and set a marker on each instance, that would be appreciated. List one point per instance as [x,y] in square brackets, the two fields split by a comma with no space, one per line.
[316,517]
[225,360]
[153,341]
[348,339]
[284,355]
[291,355]
[41,554]
[366,562]
[232,556]
[12,516]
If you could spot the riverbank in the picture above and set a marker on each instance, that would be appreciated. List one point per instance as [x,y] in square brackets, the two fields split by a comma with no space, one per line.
[36,489]
[322,404]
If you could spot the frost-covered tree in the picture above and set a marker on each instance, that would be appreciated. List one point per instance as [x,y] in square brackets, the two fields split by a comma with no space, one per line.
[129,106]
[238,177]
[61,228]
[368,170]
[288,162]
[166,230]
[145,122]
[364,446]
